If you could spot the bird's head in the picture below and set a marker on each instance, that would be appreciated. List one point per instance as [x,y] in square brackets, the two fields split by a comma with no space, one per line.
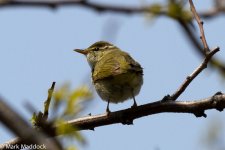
[95,52]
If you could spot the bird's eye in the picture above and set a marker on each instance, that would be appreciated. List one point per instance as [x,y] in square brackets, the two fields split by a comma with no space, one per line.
[96,49]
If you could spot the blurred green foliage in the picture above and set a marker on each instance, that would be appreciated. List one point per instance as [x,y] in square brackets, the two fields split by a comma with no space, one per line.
[73,100]
[177,10]
[155,9]
[173,8]
[66,104]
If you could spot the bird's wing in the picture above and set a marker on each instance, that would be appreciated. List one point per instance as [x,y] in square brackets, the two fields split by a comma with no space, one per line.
[115,64]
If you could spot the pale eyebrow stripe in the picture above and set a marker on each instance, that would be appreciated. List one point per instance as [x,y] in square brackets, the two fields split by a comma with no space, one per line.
[108,47]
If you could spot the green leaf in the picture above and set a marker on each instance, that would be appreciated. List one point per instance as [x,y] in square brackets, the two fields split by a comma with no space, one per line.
[155,8]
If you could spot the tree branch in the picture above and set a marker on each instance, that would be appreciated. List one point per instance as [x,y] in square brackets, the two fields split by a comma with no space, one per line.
[101,7]
[219,8]
[200,24]
[127,116]
[84,3]
[191,77]
[214,11]
[198,47]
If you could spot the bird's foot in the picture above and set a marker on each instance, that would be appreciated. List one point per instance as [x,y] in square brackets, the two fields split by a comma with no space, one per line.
[134,105]
[108,111]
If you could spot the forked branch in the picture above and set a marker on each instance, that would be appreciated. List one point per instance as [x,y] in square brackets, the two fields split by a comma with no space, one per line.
[196,72]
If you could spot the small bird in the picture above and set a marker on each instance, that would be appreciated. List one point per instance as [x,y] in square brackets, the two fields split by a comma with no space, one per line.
[115,74]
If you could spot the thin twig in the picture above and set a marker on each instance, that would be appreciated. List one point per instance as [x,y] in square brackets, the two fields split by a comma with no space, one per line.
[47,102]
[215,62]
[127,116]
[198,70]
[200,24]
[208,54]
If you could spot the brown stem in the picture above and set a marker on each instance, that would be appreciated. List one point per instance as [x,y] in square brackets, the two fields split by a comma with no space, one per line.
[196,72]
[200,24]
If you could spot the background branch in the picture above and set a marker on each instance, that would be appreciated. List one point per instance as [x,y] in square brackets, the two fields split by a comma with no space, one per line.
[27,135]
[208,14]
[83,3]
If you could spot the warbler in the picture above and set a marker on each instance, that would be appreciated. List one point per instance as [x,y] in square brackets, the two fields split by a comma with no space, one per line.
[115,74]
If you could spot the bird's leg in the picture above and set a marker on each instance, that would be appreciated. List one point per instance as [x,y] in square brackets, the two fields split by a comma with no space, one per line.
[107,108]
[135,103]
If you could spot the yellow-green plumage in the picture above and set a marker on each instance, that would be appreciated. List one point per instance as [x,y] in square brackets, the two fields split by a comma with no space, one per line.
[115,74]
[114,63]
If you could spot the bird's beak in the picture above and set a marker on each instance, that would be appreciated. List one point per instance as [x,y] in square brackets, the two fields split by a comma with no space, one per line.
[84,52]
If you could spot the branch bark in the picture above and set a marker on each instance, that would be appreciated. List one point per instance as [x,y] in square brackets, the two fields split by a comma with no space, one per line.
[84,3]
[196,72]
[127,116]
[200,24]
